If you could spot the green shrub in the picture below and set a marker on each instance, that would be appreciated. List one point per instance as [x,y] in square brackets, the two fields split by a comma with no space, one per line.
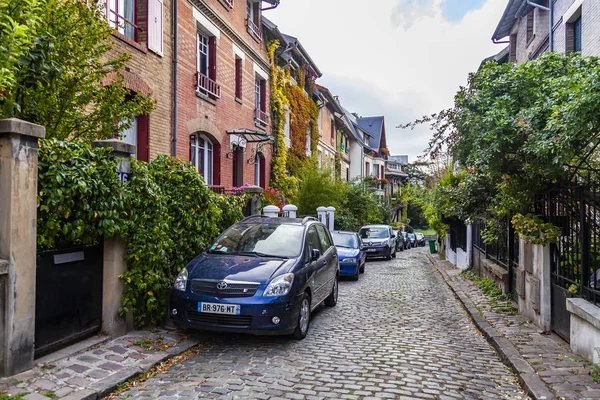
[80,198]
[165,214]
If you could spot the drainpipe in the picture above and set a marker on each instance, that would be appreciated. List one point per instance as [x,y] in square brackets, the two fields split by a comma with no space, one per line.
[550,9]
[272,6]
[175,64]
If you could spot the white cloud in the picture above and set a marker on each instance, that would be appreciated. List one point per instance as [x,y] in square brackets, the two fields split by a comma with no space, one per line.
[378,67]
[409,12]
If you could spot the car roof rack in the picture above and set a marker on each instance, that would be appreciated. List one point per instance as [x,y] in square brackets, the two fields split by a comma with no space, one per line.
[307,219]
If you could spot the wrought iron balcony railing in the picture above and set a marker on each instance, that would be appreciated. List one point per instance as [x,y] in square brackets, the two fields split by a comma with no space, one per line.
[207,86]
[261,117]
[254,29]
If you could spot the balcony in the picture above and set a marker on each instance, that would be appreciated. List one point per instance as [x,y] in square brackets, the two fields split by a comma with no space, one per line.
[261,117]
[207,86]
[218,189]
[227,3]
[254,30]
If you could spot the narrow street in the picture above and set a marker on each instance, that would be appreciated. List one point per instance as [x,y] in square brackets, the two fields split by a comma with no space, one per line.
[396,332]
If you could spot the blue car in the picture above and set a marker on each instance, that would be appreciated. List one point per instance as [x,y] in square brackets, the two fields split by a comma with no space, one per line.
[351,253]
[263,275]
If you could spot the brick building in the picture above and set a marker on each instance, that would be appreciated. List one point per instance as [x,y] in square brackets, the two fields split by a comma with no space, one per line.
[143,30]
[211,92]
[526,28]
[222,91]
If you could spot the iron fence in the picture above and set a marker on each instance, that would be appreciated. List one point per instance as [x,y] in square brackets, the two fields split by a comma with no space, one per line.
[504,250]
[574,207]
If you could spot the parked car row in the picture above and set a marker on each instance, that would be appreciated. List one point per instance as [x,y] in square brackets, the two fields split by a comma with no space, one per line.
[409,240]
[265,275]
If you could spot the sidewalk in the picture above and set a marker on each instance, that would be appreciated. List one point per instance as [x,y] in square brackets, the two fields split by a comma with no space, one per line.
[95,367]
[544,363]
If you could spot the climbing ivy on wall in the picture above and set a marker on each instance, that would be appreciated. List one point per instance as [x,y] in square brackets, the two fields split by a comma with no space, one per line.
[287,162]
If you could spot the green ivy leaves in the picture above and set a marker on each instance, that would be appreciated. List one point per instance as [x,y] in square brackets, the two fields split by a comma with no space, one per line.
[165,214]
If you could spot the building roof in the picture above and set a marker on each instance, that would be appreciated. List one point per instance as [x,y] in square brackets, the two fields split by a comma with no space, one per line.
[375,127]
[290,44]
[331,100]
[500,58]
[514,9]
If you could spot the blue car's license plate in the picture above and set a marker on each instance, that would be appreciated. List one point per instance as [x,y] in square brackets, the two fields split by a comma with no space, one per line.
[215,308]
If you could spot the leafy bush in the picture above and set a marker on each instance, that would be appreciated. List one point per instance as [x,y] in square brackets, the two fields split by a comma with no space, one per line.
[534,230]
[80,198]
[317,188]
[165,214]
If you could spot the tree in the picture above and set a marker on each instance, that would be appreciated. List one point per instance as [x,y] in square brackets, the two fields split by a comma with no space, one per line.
[515,130]
[64,78]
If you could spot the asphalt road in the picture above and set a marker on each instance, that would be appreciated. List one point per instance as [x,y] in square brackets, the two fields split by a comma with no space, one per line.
[396,333]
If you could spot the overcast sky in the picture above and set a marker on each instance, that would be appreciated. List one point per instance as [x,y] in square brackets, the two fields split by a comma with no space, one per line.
[397,58]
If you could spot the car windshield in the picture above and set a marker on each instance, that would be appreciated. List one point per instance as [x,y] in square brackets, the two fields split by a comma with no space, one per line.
[419,235]
[274,240]
[345,240]
[374,233]
[411,235]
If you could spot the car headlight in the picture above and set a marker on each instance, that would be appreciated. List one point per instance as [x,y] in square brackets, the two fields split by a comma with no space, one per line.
[181,280]
[279,286]
[349,260]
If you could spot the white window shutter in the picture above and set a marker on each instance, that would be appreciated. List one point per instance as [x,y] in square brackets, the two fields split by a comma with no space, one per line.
[155,26]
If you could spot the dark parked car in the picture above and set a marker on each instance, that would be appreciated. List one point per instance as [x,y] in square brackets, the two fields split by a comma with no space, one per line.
[261,276]
[378,240]
[399,241]
[405,240]
[420,239]
[351,254]
[413,240]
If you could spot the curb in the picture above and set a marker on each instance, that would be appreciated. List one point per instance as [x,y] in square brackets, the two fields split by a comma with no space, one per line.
[510,356]
[106,386]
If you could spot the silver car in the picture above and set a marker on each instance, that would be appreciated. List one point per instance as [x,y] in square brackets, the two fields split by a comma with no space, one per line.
[378,241]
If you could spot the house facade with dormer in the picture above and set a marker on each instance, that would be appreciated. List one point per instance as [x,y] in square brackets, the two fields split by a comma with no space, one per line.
[531,28]
[205,64]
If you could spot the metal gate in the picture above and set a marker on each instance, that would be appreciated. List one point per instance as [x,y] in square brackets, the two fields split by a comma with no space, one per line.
[68,304]
[575,208]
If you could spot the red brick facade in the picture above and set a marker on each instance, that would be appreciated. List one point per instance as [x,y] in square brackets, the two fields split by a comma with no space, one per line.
[213,117]
[149,72]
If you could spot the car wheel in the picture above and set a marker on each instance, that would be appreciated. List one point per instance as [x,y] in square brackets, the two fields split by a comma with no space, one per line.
[332,299]
[389,256]
[362,268]
[303,318]
[394,254]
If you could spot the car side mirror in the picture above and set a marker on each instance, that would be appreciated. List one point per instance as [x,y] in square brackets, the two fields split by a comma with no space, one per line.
[315,254]
[393,236]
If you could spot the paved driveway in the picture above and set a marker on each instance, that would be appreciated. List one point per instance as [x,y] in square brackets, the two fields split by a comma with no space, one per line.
[396,332]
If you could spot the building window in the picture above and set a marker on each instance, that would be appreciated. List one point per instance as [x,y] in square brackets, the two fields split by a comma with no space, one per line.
[367,169]
[206,66]
[259,171]
[577,35]
[121,16]
[332,140]
[137,135]
[530,21]
[512,57]
[238,167]
[202,156]
[347,174]
[238,77]
[320,158]
[253,19]
[261,117]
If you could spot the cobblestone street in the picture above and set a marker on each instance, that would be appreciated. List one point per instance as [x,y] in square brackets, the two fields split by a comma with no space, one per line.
[396,332]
